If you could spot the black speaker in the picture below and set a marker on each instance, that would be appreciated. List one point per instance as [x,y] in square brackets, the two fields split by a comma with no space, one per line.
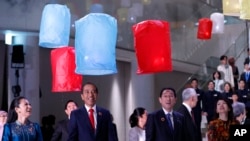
[17,58]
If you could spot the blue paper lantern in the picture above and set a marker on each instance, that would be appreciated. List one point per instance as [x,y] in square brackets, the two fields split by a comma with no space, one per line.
[55,26]
[95,42]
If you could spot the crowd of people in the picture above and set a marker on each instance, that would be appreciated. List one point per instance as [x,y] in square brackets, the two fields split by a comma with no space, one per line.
[225,102]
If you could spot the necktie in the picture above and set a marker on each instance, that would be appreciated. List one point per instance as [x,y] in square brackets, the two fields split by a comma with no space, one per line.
[247,75]
[170,125]
[91,117]
[192,114]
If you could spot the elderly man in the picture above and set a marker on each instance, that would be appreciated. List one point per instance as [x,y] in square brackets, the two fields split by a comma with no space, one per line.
[190,99]
[239,111]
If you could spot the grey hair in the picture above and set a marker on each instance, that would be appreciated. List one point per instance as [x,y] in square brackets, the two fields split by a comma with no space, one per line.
[188,93]
[238,108]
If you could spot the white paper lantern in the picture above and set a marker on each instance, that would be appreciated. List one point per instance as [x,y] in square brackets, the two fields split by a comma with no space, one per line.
[218,23]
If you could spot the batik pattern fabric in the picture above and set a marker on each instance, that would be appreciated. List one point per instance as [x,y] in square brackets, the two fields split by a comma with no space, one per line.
[22,132]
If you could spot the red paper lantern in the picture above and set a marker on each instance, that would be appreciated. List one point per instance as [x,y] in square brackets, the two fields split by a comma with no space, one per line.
[152,46]
[63,67]
[205,28]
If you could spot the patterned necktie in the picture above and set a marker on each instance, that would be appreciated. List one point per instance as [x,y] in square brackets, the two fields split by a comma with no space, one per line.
[91,117]
[170,125]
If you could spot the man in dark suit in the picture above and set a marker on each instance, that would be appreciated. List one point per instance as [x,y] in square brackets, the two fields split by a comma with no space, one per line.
[246,75]
[209,101]
[190,100]
[198,108]
[61,131]
[90,122]
[166,124]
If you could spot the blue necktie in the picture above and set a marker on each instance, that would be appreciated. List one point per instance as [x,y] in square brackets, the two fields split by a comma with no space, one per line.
[170,125]
[247,75]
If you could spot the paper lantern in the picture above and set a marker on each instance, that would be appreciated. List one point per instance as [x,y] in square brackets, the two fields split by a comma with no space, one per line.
[63,67]
[95,42]
[55,26]
[218,22]
[204,29]
[231,7]
[245,9]
[152,46]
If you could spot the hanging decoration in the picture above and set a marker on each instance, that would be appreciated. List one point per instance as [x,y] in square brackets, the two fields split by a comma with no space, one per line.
[245,9]
[63,66]
[95,42]
[218,23]
[55,26]
[204,29]
[152,46]
[231,7]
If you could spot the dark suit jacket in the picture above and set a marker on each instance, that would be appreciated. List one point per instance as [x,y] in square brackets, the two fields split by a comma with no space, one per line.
[80,127]
[192,131]
[243,77]
[61,131]
[197,109]
[158,130]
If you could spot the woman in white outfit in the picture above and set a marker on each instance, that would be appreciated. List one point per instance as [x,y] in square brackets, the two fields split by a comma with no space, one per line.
[137,122]
[219,83]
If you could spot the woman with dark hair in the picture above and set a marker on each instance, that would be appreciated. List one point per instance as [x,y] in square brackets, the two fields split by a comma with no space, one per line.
[218,129]
[18,126]
[218,81]
[137,122]
[227,91]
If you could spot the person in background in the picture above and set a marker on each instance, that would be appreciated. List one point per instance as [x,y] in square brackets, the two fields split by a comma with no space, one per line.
[218,129]
[227,91]
[18,126]
[3,120]
[246,75]
[209,101]
[235,70]
[218,82]
[235,98]
[61,130]
[190,100]
[226,70]
[247,59]
[166,124]
[137,122]
[197,109]
[239,111]
[242,91]
[90,122]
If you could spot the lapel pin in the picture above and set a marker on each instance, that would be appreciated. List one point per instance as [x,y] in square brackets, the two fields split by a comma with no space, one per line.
[162,119]
[99,113]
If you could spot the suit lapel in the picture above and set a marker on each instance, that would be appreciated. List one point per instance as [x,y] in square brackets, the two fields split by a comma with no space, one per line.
[99,115]
[86,116]
[163,122]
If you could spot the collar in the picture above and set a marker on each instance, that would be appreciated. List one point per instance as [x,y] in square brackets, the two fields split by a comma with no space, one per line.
[187,106]
[166,112]
[87,108]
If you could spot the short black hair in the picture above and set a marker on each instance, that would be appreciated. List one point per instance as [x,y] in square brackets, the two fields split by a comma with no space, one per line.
[168,88]
[223,57]
[66,104]
[90,83]
[194,79]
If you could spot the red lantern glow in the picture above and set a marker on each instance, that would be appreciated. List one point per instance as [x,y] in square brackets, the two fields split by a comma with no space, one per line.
[152,46]
[63,66]
[204,29]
